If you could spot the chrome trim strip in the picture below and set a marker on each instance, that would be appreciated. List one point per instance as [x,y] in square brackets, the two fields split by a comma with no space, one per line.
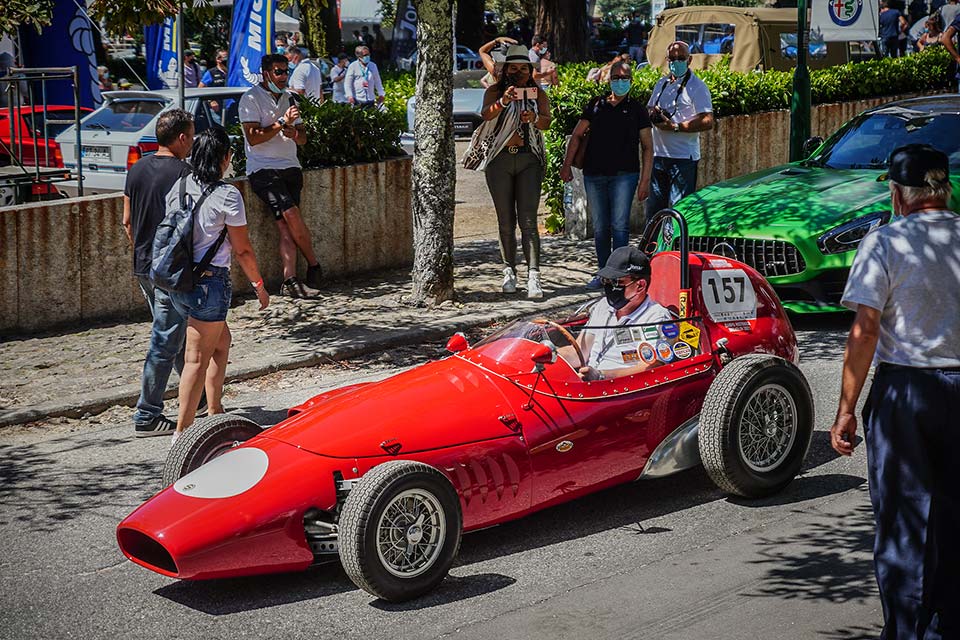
[678,452]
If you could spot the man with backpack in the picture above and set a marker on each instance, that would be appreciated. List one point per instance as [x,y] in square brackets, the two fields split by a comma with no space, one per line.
[144,207]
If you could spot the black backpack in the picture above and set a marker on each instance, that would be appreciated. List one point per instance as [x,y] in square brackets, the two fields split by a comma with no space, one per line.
[172,267]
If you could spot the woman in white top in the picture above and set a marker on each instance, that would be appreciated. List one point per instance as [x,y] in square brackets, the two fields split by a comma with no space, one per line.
[205,307]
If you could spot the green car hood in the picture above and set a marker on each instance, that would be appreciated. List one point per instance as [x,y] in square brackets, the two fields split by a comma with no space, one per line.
[788,201]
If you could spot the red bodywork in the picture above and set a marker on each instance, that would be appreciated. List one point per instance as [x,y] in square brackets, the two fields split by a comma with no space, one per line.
[467,415]
[20,142]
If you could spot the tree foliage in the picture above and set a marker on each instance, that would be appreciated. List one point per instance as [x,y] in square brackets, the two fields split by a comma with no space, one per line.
[17,13]
[130,16]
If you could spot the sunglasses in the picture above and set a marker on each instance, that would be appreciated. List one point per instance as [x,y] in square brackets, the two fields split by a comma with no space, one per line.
[280,72]
[617,284]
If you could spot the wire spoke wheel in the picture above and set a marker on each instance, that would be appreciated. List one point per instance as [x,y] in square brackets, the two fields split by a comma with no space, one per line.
[410,533]
[768,428]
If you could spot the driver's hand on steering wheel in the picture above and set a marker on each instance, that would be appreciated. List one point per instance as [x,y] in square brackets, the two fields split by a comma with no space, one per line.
[588,374]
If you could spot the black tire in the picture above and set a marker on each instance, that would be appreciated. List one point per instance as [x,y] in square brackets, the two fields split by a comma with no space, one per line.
[728,424]
[204,441]
[360,522]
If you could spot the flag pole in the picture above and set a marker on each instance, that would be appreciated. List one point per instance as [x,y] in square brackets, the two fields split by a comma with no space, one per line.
[180,40]
[800,104]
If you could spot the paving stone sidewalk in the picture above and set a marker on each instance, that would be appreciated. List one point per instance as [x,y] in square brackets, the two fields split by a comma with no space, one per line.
[87,371]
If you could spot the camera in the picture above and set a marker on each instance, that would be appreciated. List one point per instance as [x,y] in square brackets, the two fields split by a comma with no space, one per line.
[656,115]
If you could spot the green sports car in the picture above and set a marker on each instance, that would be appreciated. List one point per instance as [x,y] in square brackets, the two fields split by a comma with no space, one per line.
[799,224]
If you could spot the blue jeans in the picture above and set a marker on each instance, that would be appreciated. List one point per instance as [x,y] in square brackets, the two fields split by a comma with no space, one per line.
[672,179]
[209,301]
[610,198]
[165,353]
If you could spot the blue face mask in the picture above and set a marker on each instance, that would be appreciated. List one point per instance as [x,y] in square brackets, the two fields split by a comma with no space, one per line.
[274,88]
[291,66]
[678,67]
[621,86]
[366,59]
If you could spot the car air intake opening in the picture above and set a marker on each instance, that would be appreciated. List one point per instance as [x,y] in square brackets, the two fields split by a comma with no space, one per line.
[147,550]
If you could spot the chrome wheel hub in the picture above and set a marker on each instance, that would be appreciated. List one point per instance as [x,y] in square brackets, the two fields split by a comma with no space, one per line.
[410,533]
[768,428]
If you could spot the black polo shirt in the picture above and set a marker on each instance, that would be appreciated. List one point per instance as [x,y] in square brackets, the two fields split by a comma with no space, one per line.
[614,143]
[148,182]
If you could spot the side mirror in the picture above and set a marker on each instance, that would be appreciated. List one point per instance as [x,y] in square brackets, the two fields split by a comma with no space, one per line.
[544,354]
[811,145]
[457,343]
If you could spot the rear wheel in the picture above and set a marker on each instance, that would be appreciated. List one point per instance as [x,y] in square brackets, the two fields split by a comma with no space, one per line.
[756,425]
[400,530]
[205,440]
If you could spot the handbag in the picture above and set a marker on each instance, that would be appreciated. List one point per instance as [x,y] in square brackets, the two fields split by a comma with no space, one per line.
[480,143]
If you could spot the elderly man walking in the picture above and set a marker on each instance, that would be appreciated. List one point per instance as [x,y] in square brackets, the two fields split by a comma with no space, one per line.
[362,82]
[904,287]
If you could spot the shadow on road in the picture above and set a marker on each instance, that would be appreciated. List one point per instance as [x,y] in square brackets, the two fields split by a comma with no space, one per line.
[453,589]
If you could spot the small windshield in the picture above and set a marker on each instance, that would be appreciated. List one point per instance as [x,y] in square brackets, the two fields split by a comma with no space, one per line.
[123,115]
[867,141]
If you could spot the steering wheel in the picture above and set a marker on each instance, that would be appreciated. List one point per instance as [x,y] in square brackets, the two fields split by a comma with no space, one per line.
[566,334]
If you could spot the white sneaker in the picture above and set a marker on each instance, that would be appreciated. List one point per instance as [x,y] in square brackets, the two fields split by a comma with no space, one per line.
[534,290]
[509,281]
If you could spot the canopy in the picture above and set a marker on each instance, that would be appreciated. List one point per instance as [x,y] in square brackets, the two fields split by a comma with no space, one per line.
[360,11]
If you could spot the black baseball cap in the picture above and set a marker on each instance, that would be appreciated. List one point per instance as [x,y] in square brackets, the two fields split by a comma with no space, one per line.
[626,261]
[910,163]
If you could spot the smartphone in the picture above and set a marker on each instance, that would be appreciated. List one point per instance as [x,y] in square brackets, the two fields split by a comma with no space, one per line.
[526,93]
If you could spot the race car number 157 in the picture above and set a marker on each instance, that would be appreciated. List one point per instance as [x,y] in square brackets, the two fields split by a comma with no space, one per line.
[729,295]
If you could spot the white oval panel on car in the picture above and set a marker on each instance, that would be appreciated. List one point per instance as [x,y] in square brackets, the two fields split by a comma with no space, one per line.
[225,476]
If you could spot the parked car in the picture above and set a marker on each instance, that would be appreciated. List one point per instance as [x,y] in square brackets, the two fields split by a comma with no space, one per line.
[799,224]
[464,60]
[467,103]
[35,124]
[122,130]
[385,476]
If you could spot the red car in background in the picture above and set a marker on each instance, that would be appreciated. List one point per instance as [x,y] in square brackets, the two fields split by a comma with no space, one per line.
[34,125]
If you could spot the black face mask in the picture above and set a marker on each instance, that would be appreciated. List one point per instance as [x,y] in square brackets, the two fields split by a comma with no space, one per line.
[615,296]
[515,79]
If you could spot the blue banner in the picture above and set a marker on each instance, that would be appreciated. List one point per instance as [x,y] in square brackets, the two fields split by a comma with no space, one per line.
[67,42]
[160,42]
[251,38]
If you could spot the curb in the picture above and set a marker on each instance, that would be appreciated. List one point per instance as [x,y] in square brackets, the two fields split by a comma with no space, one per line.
[127,395]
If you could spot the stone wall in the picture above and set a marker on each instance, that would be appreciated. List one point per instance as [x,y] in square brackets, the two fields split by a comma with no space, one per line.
[66,263]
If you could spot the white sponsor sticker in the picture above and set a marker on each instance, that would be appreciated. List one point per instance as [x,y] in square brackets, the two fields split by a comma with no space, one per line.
[729,295]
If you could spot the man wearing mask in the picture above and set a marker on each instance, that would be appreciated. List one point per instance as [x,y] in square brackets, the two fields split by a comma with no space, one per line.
[217,76]
[903,287]
[337,76]
[362,83]
[305,78]
[538,47]
[191,70]
[272,130]
[626,280]
[680,108]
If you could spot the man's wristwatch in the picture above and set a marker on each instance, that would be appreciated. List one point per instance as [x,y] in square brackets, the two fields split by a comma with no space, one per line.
[676,126]
[282,121]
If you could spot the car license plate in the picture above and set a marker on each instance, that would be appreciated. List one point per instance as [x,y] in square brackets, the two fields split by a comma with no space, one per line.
[463,127]
[91,153]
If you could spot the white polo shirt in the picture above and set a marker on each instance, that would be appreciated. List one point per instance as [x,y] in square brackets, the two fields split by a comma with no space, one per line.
[363,83]
[339,88]
[615,348]
[279,152]
[681,106]
[308,78]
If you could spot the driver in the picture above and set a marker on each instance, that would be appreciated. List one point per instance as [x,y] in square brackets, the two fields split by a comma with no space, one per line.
[626,280]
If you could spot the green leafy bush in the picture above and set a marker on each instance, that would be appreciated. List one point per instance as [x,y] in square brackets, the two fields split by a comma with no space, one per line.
[338,135]
[736,93]
[399,87]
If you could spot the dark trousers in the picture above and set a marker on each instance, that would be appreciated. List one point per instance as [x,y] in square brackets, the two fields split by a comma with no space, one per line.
[912,425]
[672,179]
[514,180]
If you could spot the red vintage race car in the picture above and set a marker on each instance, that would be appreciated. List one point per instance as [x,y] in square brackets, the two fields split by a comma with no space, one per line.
[387,475]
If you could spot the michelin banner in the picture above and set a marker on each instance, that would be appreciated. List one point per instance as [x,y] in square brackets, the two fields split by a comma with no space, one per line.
[160,42]
[251,39]
[404,41]
[845,20]
[68,41]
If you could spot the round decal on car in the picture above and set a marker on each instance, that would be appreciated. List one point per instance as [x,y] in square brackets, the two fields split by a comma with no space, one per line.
[682,350]
[670,330]
[647,354]
[664,351]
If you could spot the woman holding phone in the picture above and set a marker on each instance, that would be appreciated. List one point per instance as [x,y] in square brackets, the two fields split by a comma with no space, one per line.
[508,146]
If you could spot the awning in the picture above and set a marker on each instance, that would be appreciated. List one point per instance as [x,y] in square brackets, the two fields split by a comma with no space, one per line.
[360,11]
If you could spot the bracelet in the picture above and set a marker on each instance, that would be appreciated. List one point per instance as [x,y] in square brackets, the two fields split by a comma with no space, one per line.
[503,106]
[258,284]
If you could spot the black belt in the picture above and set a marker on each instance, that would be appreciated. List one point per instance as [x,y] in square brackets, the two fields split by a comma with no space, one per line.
[515,149]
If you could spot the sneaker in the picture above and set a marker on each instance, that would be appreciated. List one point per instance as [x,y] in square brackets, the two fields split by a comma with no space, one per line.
[595,284]
[159,426]
[314,277]
[533,285]
[293,288]
[509,281]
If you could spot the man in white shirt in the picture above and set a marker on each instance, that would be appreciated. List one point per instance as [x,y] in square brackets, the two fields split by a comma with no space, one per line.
[362,83]
[305,77]
[337,76]
[613,338]
[680,108]
[272,130]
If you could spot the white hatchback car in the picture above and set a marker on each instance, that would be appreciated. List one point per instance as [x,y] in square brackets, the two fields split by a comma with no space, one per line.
[123,130]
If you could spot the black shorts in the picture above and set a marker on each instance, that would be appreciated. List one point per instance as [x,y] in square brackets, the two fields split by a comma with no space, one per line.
[278,188]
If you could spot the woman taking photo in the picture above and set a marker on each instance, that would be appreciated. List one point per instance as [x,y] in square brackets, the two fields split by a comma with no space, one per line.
[616,131]
[508,146]
[205,307]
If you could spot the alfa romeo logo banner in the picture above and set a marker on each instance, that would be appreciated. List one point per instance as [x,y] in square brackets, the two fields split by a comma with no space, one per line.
[845,20]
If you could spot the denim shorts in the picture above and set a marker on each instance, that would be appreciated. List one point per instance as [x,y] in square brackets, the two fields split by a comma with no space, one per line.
[210,300]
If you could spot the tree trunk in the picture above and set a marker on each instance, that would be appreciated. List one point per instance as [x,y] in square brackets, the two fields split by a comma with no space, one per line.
[434,160]
[470,23]
[320,34]
[564,24]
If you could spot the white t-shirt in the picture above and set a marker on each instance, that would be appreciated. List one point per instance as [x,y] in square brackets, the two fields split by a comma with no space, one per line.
[279,152]
[909,270]
[693,100]
[307,76]
[224,206]
[339,88]
[363,83]
[617,348]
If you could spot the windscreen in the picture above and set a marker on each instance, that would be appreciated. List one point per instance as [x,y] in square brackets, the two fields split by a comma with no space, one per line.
[124,115]
[868,141]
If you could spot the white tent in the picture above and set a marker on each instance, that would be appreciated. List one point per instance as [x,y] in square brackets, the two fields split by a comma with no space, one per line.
[360,12]
[281,21]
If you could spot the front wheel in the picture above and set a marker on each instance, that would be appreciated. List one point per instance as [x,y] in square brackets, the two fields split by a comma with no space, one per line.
[400,530]
[756,425]
[205,440]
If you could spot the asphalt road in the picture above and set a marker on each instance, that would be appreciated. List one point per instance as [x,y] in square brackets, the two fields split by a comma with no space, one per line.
[670,558]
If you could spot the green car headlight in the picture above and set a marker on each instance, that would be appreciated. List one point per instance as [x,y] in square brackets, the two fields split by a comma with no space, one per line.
[847,236]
